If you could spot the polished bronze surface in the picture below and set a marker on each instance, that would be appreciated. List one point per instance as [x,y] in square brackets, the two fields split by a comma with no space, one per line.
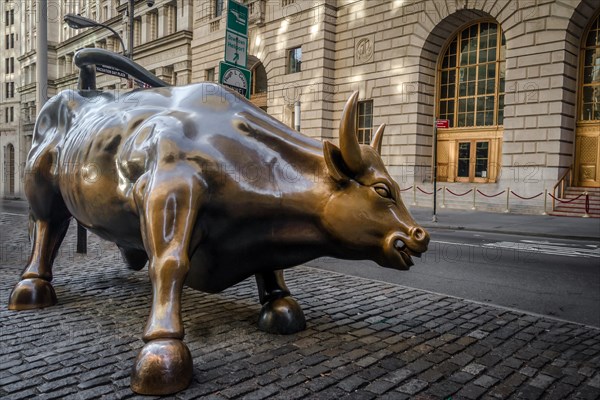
[164,366]
[210,190]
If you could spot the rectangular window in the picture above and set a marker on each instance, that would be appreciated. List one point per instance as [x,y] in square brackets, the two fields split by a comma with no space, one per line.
[12,40]
[481,159]
[464,157]
[7,42]
[12,65]
[171,19]
[218,8]
[153,25]
[365,121]
[210,75]
[294,60]
[137,31]
[6,115]
[12,114]
[473,161]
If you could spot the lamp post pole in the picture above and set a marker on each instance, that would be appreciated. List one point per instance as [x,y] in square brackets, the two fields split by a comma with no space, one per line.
[42,54]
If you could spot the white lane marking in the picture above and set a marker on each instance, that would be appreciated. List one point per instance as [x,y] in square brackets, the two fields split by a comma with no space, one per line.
[540,247]
[548,248]
[13,214]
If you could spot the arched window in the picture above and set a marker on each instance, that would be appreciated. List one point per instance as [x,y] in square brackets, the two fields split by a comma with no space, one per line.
[471,97]
[258,88]
[587,142]
[590,102]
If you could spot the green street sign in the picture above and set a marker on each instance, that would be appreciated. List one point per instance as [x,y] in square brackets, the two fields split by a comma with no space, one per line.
[236,49]
[235,77]
[237,18]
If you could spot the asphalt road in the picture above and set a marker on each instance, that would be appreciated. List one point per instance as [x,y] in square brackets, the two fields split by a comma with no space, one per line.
[552,277]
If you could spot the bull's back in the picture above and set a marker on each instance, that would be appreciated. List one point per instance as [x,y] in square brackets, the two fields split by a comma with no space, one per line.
[84,133]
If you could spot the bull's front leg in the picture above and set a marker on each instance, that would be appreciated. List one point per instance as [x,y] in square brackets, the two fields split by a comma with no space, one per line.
[280,313]
[169,206]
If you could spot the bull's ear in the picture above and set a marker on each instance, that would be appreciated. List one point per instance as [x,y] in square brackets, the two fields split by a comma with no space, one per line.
[378,138]
[334,162]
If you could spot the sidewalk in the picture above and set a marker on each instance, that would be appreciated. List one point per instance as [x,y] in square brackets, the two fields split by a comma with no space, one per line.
[515,224]
[364,340]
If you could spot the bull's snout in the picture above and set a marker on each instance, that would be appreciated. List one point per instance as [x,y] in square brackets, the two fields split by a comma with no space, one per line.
[400,246]
[418,239]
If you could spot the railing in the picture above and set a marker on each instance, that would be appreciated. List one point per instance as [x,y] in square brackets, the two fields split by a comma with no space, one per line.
[215,25]
[256,12]
[564,182]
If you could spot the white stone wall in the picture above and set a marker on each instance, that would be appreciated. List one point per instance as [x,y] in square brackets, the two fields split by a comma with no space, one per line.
[407,38]
[9,131]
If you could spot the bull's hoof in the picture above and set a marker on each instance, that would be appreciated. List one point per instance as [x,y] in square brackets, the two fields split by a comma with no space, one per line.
[164,366]
[32,293]
[282,316]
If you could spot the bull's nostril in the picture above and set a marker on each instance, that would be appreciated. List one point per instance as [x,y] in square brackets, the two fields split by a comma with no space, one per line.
[418,233]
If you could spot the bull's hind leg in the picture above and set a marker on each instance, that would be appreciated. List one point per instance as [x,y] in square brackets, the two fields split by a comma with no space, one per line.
[50,225]
[134,258]
[280,313]
[168,211]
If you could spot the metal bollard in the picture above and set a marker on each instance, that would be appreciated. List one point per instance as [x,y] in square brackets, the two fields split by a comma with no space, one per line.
[507,200]
[414,203]
[443,205]
[545,202]
[586,205]
[474,197]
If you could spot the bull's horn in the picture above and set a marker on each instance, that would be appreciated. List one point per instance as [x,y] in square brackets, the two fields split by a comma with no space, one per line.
[378,138]
[348,140]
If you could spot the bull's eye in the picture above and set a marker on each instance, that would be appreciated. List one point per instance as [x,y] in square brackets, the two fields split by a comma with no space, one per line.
[383,190]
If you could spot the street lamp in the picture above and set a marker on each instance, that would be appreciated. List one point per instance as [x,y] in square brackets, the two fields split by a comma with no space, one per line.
[78,22]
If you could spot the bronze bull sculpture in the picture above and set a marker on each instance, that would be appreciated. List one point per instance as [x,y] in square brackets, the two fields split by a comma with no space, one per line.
[211,190]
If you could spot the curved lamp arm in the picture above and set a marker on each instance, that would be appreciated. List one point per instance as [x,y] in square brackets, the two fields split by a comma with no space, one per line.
[78,22]
[88,57]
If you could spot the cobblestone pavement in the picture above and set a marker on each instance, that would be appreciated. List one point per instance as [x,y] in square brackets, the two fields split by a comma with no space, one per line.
[365,339]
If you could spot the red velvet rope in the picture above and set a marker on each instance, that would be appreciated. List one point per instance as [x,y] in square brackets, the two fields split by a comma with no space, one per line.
[527,198]
[490,196]
[570,201]
[404,190]
[460,195]
[422,191]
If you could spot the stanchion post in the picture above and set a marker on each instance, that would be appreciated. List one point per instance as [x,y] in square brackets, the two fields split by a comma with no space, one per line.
[545,202]
[434,216]
[507,209]
[443,205]
[474,197]
[586,205]
[81,239]
[414,203]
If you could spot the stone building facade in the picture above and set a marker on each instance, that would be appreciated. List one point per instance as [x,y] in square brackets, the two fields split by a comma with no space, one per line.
[162,39]
[11,155]
[508,75]
[518,81]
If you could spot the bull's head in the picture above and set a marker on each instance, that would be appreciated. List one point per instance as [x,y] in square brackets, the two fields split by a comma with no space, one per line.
[365,213]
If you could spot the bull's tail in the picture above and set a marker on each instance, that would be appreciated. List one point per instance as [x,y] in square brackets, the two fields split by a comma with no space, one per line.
[88,59]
